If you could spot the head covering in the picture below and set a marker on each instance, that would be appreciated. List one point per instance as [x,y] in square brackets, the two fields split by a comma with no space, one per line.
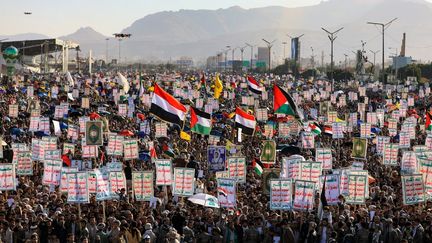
[148,226]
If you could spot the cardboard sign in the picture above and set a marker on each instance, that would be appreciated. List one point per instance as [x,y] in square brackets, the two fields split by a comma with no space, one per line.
[413,190]
[163,172]
[142,185]
[308,140]
[281,194]
[77,187]
[304,193]
[130,149]
[237,168]
[310,170]
[332,190]
[25,163]
[52,172]
[390,155]
[324,155]
[7,177]
[356,189]
[291,168]
[184,182]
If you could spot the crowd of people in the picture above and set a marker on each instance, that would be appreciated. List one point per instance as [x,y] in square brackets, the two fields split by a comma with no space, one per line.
[36,212]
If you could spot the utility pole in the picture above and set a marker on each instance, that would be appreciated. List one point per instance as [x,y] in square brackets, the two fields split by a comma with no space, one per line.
[313,61]
[284,45]
[322,60]
[374,55]
[226,55]
[232,59]
[251,59]
[332,38]
[120,37]
[241,55]
[383,27]
[346,61]
[106,51]
[269,46]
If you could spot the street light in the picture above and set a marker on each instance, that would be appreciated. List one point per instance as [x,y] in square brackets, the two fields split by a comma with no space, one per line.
[332,38]
[284,45]
[251,46]
[232,58]
[384,27]
[269,46]
[120,37]
[374,55]
[106,51]
[226,54]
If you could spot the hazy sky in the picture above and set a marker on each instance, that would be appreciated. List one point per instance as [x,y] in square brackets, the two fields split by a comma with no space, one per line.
[61,17]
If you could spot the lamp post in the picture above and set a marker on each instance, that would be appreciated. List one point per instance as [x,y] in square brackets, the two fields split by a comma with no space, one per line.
[284,45]
[251,59]
[106,51]
[226,55]
[383,28]
[269,46]
[120,37]
[332,38]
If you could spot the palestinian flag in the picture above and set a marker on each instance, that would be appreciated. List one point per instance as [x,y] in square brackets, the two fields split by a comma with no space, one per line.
[314,128]
[245,121]
[166,107]
[428,123]
[257,167]
[200,121]
[168,150]
[283,103]
[253,85]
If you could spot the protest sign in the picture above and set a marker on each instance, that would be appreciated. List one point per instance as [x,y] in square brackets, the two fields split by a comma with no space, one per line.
[216,156]
[237,168]
[117,181]
[308,140]
[115,145]
[337,130]
[356,189]
[304,192]
[359,149]
[89,151]
[102,185]
[390,154]
[324,155]
[25,163]
[52,172]
[163,172]
[267,175]
[426,170]
[226,189]
[130,149]
[268,154]
[142,185]
[63,177]
[409,163]
[381,140]
[184,182]
[77,187]
[13,110]
[365,130]
[404,140]
[7,177]
[332,190]
[413,191]
[93,133]
[280,194]
[161,130]
[291,167]
[310,170]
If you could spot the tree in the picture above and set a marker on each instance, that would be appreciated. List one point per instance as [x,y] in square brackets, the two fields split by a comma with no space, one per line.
[341,74]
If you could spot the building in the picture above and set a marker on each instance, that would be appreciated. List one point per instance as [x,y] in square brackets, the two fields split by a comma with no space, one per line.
[263,57]
[184,62]
[212,62]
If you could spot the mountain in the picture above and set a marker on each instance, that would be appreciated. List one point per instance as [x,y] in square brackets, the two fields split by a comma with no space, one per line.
[88,39]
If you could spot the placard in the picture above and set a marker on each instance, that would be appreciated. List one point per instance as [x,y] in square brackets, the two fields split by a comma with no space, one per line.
[13,110]
[337,130]
[413,190]
[93,133]
[115,145]
[161,130]
[356,189]
[268,153]
[304,193]
[122,110]
[359,149]
[142,185]
[25,163]
[426,170]
[390,155]
[261,114]
[310,170]
[308,140]
[365,130]
[89,151]
[163,172]
[130,149]
[216,156]
[184,182]
[237,168]
[117,181]
[409,164]
[291,167]
[226,189]
[404,140]
[381,140]
[324,155]
[7,177]
[280,194]
[332,190]
[52,172]
[102,185]
[77,187]
[63,177]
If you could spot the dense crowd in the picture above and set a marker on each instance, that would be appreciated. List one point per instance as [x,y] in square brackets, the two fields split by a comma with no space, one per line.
[40,213]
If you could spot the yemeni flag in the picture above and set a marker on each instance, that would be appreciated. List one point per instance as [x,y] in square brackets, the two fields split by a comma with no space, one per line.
[245,121]
[200,121]
[283,103]
[166,107]
[328,129]
[258,168]
[428,123]
[253,85]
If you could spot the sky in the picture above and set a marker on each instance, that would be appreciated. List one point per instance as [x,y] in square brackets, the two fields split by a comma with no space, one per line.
[62,17]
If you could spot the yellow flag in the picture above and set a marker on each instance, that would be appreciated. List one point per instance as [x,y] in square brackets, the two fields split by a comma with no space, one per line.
[185,136]
[218,87]
[339,120]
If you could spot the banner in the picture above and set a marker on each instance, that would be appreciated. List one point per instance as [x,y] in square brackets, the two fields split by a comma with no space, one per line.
[25,163]
[359,149]
[304,193]
[115,145]
[237,168]
[308,140]
[130,148]
[280,194]
[267,175]
[324,155]
[7,177]
[268,154]
[216,156]
[413,191]
[142,185]
[93,133]
[332,190]
[310,171]
[356,189]
[77,187]
[52,172]
[390,155]
[184,182]
[163,172]
[226,189]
